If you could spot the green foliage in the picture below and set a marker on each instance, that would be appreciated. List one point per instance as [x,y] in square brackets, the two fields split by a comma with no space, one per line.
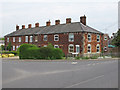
[93,57]
[77,57]
[116,40]
[85,57]
[2,38]
[2,47]
[28,51]
[9,46]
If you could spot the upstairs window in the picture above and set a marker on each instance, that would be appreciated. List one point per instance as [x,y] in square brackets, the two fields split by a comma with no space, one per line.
[13,39]
[89,48]
[56,37]
[98,48]
[8,39]
[71,37]
[19,39]
[26,38]
[31,38]
[105,37]
[36,38]
[71,48]
[89,37]
[56,46]
[98,38]
[45,38]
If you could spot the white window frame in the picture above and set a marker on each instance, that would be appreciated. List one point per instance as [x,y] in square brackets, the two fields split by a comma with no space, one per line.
[56,37]
[45,38]
[17,47]
[77,46]
[7,39]
[26,38]
[98,38]
[89,37]
[13,39]
[105,48]
[56,46]
[45,46]
[69,48]
[19,39]
[71,35]
[90,48]
[31,38]
[13,47]
[105,37]
[36,38]
[97,48]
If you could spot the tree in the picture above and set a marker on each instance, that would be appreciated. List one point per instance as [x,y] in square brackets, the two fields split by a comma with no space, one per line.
[9,46]
[116,40]
[2,47]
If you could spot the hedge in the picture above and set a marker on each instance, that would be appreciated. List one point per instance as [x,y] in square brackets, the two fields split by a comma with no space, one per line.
[28,51]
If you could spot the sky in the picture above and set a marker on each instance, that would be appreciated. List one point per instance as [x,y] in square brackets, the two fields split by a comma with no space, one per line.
[101,14]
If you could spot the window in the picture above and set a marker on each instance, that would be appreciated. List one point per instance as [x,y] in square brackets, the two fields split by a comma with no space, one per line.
[89,48]
[56,46]
[13,39]
[45,38]
[89,37]
[8,39]
[98,38]
[17,47]
[71,37]
[19,39]
[98,48]
[71,48]
[36,38]
[45,46]
[31,38]
[105,37]
[13,47]
[105,48]
[77,49]
[56,37]
[26,38]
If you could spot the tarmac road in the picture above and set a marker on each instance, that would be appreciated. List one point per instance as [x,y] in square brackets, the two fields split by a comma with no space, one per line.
[60,74]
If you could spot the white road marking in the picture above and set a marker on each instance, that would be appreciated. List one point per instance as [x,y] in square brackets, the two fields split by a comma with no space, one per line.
[84,81]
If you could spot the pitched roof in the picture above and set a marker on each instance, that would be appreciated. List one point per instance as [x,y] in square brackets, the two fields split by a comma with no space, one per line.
[54,29]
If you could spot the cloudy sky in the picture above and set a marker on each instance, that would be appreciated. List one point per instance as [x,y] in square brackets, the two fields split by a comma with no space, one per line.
[101,14]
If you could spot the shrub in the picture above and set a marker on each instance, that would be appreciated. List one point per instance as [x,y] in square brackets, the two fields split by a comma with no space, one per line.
[94,57]
[77,57]
[85,57]
[28,51]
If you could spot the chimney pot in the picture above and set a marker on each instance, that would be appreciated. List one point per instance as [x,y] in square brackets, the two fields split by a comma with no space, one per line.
[17,27]
[57,22]
[36,24]
[23,26]
[29,25]
[68,20]
[83,19]
[48,23]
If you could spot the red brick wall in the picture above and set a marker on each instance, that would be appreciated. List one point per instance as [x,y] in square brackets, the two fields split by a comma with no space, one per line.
[63,41]
[93,42]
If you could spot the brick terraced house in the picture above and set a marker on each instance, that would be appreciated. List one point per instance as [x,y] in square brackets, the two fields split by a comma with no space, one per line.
[71,37]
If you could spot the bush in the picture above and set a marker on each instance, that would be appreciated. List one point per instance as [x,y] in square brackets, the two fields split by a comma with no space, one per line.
[77,57]
[28,51]
[85,57]
[94,57]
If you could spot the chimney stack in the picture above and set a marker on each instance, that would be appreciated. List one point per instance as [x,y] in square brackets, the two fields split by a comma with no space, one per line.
[68,20]
[23,26]
[48,23]
[29,25]
[36,24]
[83,19]
[57,22]
[17,27]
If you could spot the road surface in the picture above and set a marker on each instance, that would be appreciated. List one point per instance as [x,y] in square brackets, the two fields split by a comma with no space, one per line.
[60,74]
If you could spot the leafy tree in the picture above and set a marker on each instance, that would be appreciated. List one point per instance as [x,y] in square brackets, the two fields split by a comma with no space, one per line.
[9,46]
[116,40]
[2,47]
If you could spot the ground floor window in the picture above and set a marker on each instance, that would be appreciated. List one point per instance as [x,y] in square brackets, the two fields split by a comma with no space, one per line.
[71,48]
[77,49]
[56,46]
[89,48]
[98,48]
[13,47]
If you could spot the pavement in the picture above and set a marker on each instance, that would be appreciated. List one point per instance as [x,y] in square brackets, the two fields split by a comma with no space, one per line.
[60,74]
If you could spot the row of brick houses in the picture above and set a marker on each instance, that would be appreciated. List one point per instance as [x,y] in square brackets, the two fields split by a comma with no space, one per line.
[71,37]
